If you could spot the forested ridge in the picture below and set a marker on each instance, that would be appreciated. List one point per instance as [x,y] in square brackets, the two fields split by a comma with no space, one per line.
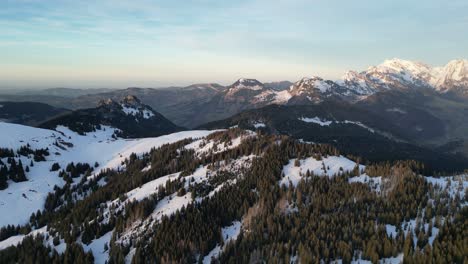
[319,219]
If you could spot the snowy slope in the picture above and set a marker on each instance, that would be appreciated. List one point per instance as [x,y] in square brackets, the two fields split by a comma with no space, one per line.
[172,202]
[93,147]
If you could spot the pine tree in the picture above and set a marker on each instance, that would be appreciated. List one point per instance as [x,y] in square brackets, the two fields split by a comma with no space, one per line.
[21,175]
[3,178]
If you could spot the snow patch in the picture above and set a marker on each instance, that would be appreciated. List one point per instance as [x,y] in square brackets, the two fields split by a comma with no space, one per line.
[397,110]
[259,125]
[229,234]
[453,185]
[328,166]
[375,183]
[282,97]
[316,120]
[97,248]
[324,122]
[135,111]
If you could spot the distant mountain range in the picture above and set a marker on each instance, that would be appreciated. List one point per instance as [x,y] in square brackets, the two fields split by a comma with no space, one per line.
[428,104]
[181,104]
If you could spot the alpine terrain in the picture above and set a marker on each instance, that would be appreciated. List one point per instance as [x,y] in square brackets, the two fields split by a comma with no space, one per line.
[371,168]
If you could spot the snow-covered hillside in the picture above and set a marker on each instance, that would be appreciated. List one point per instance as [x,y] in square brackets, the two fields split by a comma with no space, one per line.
[110,153]
[219,190]
[65,146]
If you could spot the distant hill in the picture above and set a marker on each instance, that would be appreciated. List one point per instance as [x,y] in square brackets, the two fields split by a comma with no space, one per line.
[28,113]
[132,118]
[64,92]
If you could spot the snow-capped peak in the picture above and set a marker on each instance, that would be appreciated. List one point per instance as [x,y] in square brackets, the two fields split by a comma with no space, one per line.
[452,75]
[310,84]
[357,82]
[456,70]
[397,71]
[251,84]
[391,74]
[399,65]
[405,74]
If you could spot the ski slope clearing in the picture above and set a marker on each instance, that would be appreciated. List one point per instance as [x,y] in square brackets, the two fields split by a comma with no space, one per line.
[65,146]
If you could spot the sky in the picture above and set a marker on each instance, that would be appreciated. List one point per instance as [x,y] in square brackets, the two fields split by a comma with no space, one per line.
[123,43]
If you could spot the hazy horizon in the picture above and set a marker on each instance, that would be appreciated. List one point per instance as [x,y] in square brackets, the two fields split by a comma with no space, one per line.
[120,44]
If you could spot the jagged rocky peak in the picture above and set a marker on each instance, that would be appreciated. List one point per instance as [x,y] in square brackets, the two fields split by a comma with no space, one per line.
[107,102]
[131,100]
[129,104]
[128,100]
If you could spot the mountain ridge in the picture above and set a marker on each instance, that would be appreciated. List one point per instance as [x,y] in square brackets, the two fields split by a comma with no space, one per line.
[182,105]
[130,117]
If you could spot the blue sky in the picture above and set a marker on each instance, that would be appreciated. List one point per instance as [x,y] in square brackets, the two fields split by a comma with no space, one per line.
[114,43]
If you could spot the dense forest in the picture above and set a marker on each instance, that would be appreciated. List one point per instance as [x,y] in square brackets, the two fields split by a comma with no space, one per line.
[319,219]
